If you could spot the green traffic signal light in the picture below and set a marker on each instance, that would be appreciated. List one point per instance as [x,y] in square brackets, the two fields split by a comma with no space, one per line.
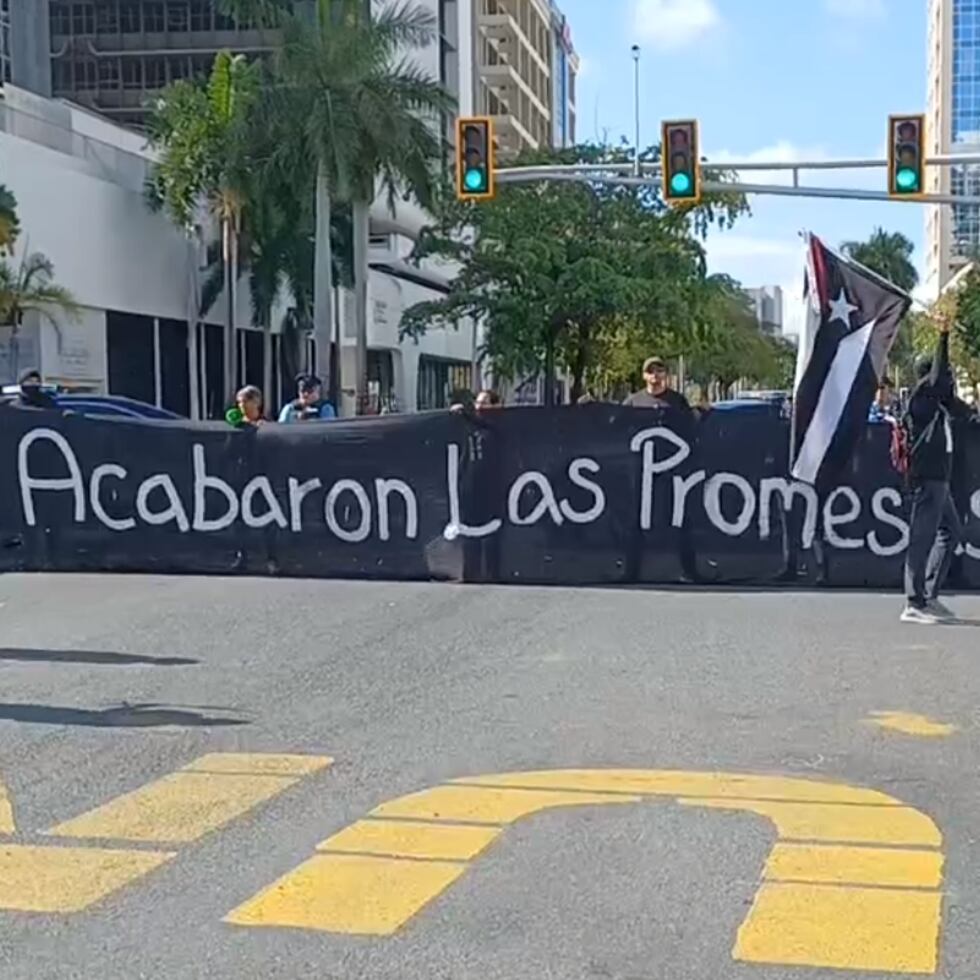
[907,179]
[475,180]
[680,183]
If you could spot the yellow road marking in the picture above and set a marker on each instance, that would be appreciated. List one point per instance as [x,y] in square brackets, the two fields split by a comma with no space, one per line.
[181,807]
[876,929]
[347,893]
[67,879]
[838,822]
[909,723]
[474,804]
[679,783]
[452,842]
[839,864]
[7,825]
[259,764]
[186,805]
[827,904]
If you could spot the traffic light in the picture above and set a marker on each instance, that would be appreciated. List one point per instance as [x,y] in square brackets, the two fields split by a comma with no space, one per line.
[906,155]
[474,159]
[680,150]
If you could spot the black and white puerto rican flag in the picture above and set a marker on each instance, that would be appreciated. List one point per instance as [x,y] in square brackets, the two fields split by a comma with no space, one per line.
[852,319]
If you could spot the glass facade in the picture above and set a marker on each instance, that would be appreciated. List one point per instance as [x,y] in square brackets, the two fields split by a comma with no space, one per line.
[6,67]
[966,119]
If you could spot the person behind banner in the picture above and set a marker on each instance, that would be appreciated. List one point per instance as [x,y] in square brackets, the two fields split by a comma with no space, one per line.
[935,528]
[883,408]
[247,410]
[480,485]
[657,392]
[308,405]
[32,395]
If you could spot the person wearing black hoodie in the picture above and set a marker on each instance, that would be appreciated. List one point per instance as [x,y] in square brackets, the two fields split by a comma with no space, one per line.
[935,529]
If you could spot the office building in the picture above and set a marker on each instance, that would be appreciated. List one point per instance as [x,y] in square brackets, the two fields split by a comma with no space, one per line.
[767,302]
[24,45]
[564,74]
[526,68]
[952,126]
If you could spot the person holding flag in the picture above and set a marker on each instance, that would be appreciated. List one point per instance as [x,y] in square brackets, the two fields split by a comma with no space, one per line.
[935,528]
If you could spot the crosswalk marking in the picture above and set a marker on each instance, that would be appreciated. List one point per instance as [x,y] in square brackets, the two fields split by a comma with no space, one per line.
[68,879]
[178,808]
[7,825]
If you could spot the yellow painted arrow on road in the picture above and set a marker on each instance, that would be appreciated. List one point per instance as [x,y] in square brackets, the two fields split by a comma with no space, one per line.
[853,882]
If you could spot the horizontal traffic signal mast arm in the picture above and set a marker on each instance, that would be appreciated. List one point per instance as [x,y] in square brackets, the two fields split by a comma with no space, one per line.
[622,173]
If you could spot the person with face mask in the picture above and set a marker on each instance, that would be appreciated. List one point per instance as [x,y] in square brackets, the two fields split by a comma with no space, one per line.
[936,529]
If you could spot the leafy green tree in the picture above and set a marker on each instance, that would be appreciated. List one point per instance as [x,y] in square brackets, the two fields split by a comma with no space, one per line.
[734,348]
[573,275]
[203,131]
[961,306]
[9,227]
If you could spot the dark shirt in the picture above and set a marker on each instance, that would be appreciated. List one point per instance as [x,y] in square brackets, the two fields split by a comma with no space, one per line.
[932,409]
[34,396]
[666,399]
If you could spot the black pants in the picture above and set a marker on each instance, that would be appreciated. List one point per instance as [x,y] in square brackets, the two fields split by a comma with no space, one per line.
[935,532]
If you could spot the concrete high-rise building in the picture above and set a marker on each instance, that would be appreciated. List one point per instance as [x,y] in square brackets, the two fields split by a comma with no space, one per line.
[767,302]
[952,126]
[24,45]
[526,68]
[564,74]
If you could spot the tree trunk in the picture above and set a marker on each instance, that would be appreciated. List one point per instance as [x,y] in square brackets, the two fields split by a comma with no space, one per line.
[323,284]
[578,367]
[228,260]
[362,213]
[549,369]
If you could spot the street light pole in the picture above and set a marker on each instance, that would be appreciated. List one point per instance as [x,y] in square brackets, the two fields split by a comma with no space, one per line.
[636,104]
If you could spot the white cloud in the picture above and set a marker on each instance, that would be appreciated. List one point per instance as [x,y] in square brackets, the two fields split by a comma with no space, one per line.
[674,23]
[726,246]
[856,9]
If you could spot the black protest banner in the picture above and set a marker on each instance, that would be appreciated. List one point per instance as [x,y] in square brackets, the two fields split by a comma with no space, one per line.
[582,495]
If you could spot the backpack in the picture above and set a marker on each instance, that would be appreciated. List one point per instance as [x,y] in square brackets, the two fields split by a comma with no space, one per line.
[899,448]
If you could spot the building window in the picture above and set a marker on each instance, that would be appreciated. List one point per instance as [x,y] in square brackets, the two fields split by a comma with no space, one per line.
[110,73]
[178,16]
[129,19]
[201,15]
[83,19]
[154,21]
[440,381]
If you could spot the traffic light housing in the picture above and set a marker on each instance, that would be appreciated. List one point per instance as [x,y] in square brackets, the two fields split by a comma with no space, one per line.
[906,156]
[474,159]
[681,157]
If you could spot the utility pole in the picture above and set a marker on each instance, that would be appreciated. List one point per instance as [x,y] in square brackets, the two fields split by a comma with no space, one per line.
[636,107]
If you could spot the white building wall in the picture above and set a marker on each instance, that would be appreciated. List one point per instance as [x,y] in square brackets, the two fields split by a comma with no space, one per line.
[78,181]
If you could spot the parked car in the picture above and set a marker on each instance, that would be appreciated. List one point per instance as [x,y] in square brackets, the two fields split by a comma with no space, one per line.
[104,406]
[765,403]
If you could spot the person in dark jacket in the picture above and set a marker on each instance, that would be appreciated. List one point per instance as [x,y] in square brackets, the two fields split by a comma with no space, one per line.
[480,485]
[936,529]
[32,395]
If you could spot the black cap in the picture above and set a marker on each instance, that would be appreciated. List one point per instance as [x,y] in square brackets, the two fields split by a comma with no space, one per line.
[308,382]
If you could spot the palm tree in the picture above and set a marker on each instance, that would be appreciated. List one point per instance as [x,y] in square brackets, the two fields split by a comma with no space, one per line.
[889,254]
[202,131]
[9,228]
[28,287]
[363,112]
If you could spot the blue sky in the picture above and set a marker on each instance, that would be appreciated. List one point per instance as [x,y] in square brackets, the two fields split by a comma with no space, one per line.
[768,79]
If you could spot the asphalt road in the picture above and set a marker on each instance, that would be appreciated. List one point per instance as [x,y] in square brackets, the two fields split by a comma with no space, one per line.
[108,684]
